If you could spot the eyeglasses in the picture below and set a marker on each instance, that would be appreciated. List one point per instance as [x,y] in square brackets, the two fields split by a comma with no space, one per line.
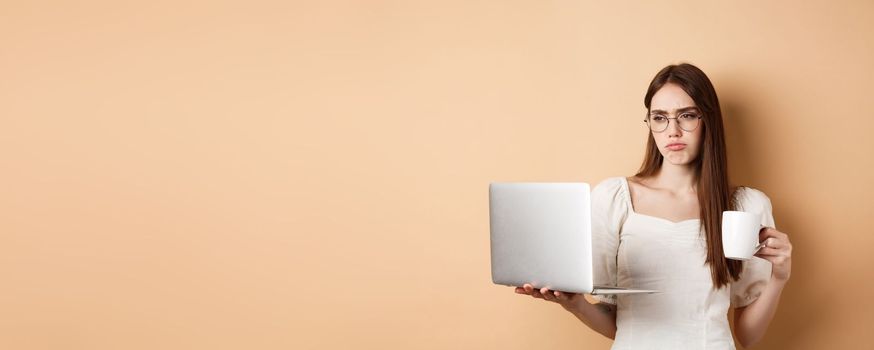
[687,121]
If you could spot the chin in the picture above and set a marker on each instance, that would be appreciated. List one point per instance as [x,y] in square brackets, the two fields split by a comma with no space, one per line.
[679,160]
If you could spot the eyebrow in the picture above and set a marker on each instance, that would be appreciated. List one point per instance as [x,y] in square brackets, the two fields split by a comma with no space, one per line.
[678,110]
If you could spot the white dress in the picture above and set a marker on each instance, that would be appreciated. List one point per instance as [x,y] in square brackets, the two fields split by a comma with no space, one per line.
[640,251]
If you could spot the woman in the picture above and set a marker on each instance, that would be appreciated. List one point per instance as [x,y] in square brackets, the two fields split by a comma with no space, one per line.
[661,229]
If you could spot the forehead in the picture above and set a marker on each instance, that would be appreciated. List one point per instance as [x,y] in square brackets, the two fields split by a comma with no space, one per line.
[671,97]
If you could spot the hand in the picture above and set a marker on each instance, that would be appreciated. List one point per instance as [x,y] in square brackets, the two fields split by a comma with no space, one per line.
[568,301]
[778,250]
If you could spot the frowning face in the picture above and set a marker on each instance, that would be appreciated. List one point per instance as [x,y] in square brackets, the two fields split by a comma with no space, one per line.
[675,123]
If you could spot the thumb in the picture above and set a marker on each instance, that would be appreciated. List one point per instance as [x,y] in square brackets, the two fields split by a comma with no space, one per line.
[565,296]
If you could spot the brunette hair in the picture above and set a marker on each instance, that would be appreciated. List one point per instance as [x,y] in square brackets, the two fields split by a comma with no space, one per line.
[714,192]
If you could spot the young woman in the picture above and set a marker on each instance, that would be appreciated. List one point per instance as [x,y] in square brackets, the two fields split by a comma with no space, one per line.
[661,229]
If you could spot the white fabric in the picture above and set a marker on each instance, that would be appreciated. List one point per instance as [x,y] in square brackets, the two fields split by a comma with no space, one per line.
[639,251]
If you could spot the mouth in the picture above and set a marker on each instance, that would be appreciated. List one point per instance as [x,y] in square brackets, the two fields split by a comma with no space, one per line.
[676,146]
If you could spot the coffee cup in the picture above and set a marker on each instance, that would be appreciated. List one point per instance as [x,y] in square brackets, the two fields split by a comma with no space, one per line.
[740,234]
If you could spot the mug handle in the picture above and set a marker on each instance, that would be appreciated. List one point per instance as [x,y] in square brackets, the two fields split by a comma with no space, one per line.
[760,246]
[762,243]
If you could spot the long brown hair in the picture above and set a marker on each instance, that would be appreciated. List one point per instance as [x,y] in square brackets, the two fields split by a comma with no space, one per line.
[714,192]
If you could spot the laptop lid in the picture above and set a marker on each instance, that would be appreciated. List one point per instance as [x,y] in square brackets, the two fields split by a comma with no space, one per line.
[541,234]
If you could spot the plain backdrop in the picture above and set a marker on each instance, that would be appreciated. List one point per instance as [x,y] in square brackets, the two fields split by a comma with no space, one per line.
[314,174]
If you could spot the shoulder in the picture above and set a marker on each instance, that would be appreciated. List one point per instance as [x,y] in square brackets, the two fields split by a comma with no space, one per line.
[609,186]
[609,200]
[611,190]
[751,199]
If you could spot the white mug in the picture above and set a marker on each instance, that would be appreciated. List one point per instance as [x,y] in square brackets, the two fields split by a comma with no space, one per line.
[740,234]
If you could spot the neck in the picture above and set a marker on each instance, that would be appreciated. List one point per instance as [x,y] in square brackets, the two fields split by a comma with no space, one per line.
[676,178]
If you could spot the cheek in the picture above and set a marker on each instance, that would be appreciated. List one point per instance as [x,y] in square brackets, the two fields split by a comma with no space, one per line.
[698,143]
[659,139]
[699,139]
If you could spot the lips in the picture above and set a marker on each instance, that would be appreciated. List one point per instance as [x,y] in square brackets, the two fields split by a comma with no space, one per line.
[676,146]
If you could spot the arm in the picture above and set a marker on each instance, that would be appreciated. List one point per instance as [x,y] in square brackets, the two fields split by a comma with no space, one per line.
[600,317]
[752,321]
[608,212]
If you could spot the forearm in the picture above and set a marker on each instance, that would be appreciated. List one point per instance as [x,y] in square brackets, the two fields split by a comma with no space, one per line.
[600,317]
[752,322]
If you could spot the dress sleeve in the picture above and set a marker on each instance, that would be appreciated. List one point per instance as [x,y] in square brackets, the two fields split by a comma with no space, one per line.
[756,271]
[608,213]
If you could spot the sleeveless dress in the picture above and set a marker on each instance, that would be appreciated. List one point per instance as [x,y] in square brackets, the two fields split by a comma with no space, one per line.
[640,251]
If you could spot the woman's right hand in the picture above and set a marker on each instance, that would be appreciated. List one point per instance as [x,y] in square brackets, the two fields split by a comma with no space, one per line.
[599,317]
[569,301]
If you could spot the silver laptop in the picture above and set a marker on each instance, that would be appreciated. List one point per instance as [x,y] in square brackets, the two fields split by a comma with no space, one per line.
[541,233]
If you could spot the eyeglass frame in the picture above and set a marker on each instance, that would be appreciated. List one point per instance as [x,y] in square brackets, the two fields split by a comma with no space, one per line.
[698,117]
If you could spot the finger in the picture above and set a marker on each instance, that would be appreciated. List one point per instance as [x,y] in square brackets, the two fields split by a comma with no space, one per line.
[774,252]
[547,294]
[557,296]
[520,290]
[764,233]
[768,251]
[553,296]
[528,288]
[774,242]
[776,259]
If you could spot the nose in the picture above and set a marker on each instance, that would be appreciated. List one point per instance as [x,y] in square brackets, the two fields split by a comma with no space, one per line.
[674,128]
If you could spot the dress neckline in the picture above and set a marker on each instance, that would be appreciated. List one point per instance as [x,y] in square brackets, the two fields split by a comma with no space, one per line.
[631,207]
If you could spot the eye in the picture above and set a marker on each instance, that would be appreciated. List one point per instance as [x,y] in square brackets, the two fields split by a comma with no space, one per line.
[658,118]
[689,116]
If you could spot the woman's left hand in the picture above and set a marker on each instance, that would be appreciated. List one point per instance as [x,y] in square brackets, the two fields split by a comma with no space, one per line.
[777,250]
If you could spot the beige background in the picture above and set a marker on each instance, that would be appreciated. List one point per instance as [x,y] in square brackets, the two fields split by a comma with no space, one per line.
[314,174]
